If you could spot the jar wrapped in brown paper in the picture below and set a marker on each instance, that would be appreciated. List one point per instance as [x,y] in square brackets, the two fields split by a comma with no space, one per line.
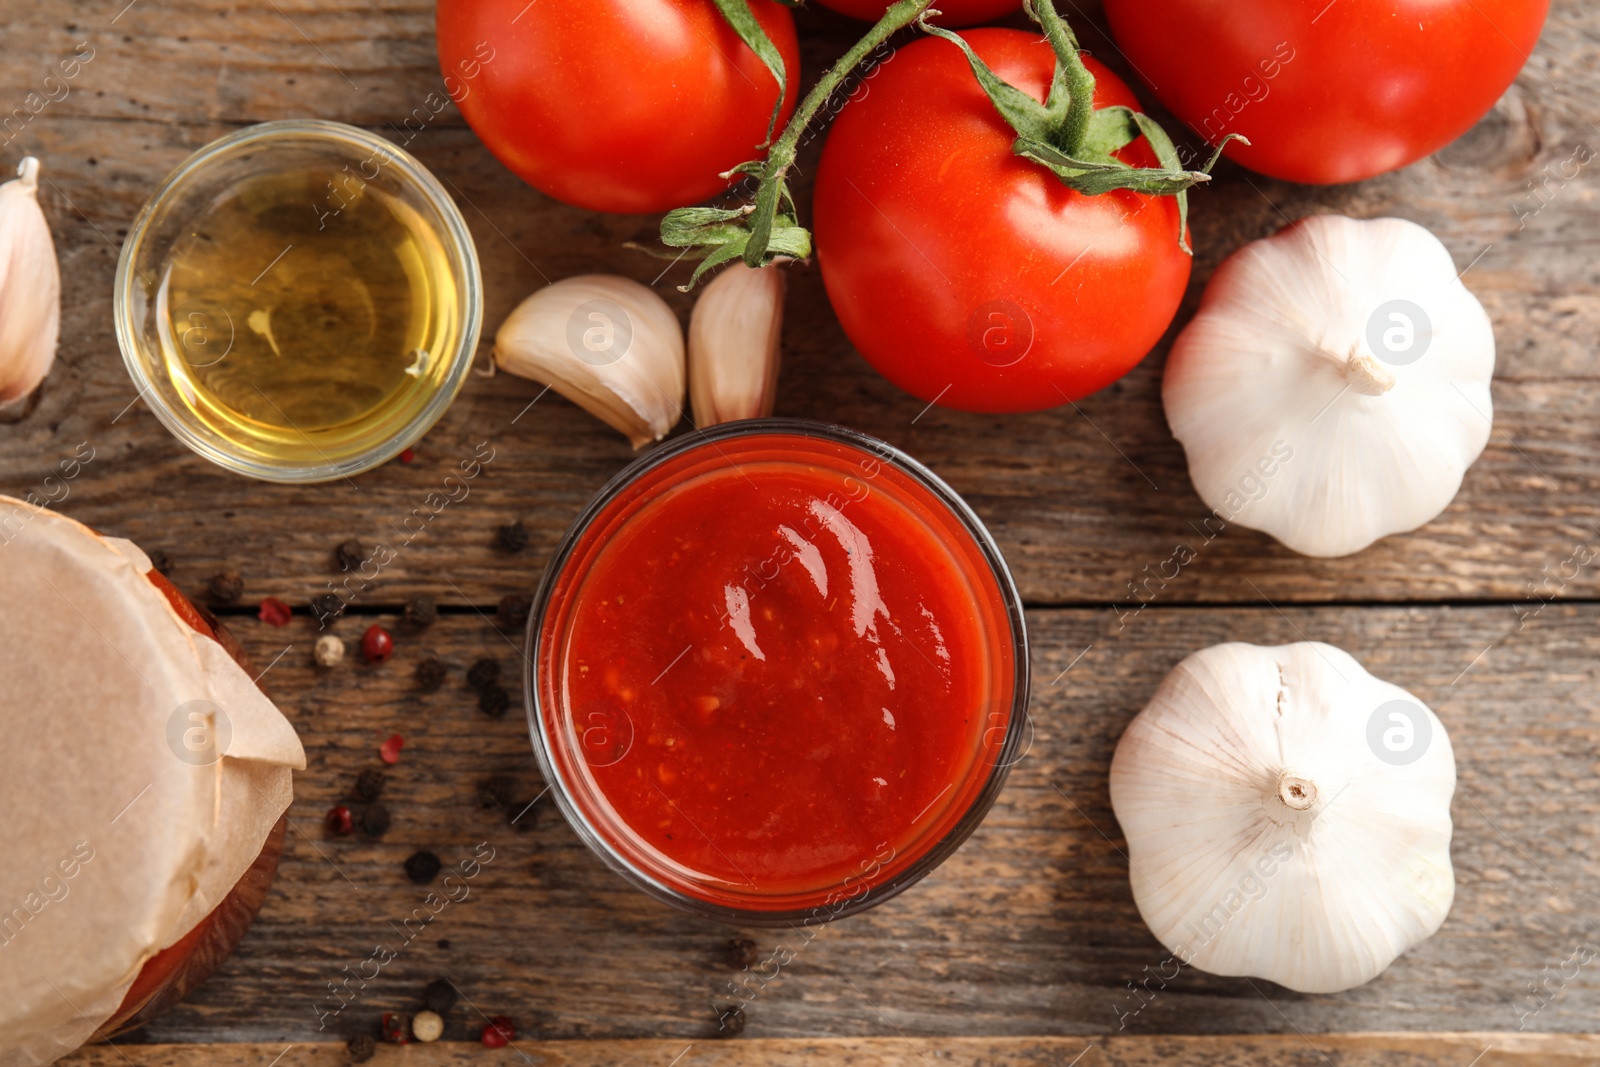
[143,783]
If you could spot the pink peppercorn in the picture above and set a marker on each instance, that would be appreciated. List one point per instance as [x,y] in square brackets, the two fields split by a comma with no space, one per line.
[339,820]
[396,1028]
[274,612]
[376,644]
[498,1033]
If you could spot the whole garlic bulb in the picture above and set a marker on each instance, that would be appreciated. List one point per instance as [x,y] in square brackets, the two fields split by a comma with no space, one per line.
[1287,815]
[610,345]
[1334,386]
[30,286]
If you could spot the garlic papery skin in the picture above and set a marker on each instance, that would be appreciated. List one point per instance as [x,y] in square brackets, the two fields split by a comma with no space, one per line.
[1287,815]
[1334,386]
[610,345]
[30,286]
[733,345]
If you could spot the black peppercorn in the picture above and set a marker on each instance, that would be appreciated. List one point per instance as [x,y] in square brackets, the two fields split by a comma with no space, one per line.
[740,953]
[161,562]
[422,867]
[369,785]
[327,607]
[730,1022]
[361,1048]
[495,791]
[374,820]
[493,701]
[430,674]
[484,673]
[440,996]
[349,555]
[514,609]
[422,611]
[226,587]
[514,538]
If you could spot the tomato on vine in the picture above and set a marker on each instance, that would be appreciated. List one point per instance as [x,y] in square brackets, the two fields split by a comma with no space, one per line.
[1006,242]
[951,12]
[628,106]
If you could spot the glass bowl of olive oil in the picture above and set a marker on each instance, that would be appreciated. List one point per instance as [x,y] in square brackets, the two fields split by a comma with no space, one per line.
[299,301]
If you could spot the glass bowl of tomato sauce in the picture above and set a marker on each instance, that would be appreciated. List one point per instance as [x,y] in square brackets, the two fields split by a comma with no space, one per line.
[777,672]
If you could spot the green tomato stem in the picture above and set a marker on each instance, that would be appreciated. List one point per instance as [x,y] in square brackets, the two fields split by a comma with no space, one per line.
[782,155]
[1069,137]
[743,21]
[1072,74]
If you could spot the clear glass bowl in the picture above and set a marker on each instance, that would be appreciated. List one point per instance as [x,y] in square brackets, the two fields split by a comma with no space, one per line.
[908,490]
[179,208]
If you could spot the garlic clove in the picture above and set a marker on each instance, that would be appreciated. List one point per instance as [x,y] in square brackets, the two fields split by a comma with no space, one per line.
[733,345]
[1334,387]
[30,286]
[610,345]
[1287,815]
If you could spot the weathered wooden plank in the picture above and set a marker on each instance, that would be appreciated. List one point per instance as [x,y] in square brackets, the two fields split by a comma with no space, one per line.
[1347,1050]
[1029,930]
[1084,502]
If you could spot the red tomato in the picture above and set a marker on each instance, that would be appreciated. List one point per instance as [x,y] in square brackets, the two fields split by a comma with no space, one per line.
[951,12]
[1328,92]
[616,105]
[967,275]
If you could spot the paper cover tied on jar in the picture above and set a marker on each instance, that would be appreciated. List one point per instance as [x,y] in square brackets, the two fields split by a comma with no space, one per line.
[144,780]
[1334,386]
[1287,815]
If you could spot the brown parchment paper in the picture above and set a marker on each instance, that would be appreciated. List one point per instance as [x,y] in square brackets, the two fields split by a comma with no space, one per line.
[140,772]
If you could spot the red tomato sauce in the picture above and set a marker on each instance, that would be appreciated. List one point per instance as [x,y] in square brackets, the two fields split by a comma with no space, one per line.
[775,669]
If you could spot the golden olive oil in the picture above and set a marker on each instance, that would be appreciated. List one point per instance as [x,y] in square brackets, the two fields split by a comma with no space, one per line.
[307,316]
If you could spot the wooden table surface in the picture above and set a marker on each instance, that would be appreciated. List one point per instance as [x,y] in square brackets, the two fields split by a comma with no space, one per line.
[1025,946]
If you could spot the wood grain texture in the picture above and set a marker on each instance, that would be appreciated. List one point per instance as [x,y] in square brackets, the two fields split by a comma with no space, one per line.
[1344,1050]
[1029,933]
[1083,499]
[1029,930]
